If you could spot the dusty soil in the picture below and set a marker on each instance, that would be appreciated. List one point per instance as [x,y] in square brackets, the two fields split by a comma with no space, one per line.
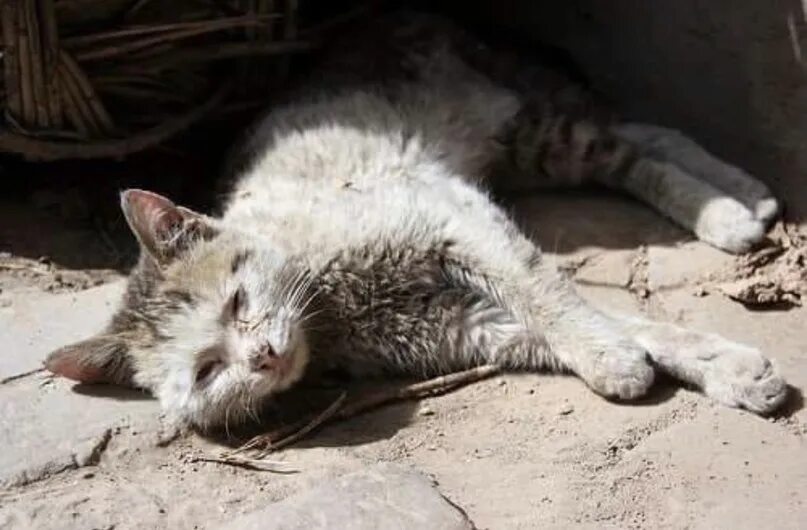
[516,451]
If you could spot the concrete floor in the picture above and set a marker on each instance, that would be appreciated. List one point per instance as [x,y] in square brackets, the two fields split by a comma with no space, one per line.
[531,451]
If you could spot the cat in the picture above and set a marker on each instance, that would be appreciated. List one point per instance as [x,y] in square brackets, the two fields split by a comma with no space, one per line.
[360,233]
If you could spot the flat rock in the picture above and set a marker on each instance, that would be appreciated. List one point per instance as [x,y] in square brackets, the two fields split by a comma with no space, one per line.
[384,496]
[36,322]
[670,267]
[49,426]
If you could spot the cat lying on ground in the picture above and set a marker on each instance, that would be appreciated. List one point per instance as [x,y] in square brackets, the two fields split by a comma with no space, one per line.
[360,234]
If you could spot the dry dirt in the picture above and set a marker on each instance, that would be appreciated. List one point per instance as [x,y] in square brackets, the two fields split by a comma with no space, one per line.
[516,451]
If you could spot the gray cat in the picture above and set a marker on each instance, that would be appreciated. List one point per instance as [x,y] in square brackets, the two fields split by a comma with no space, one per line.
[359,234]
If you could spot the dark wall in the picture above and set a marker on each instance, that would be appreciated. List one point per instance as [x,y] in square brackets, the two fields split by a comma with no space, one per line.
[732,73]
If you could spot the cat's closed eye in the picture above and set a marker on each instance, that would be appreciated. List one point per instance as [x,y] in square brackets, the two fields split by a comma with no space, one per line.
[208,370]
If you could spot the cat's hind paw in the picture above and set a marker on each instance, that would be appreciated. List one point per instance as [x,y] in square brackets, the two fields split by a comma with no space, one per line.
[728,225]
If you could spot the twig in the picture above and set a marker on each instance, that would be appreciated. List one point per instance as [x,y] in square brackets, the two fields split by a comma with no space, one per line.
[225,51]
[78,105]
[88,92]
[248,20]
[28,116]
[270,466]
[45,150]
[50,42]
[37,66]
[273,441]
[11,67]
[122,49]
[318,420]
[22,375]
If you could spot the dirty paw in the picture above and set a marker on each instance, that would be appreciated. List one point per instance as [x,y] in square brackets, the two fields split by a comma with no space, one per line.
[728,225]
[744,378]
[623,372]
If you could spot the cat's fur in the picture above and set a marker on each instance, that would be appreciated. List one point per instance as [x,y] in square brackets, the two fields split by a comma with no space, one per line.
[359,234]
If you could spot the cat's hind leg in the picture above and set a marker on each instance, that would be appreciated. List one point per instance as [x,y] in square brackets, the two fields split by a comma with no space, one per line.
[560,150]
[673,146]
[732,374]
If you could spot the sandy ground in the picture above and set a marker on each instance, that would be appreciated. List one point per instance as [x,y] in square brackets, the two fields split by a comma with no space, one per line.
[520,451]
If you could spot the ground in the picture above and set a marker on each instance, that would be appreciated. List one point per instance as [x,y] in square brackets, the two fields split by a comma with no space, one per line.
[515,451]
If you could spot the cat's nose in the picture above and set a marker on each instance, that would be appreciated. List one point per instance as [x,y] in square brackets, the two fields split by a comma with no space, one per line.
[265,358]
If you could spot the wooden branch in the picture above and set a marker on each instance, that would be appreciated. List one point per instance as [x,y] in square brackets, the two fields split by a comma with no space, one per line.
[116,50]
[28,116]
[50,50]
[99,112]
[247,463]
[82,40]
[225,51]
[40,92]
[11,67]
[42,150]
[290,434]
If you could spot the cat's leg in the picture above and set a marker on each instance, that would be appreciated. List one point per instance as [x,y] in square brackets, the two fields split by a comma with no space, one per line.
[669,145]
[731,373]
[711,214]
[533,320]
[557,150]
[587,342]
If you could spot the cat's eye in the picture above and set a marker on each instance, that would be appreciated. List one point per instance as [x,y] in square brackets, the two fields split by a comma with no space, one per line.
[207,370]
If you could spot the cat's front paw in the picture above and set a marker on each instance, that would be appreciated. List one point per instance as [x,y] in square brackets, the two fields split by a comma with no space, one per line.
[622,372]
[742,377]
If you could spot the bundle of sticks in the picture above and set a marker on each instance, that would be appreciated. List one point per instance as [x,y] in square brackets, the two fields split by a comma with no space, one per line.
[106,78]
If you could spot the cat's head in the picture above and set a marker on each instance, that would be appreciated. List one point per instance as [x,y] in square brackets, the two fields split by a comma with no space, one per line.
[212,320]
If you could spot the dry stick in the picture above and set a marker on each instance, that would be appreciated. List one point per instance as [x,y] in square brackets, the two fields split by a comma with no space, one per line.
[37,66]
[438,385]
[77,100]
[44,150]
[318,420]
[88,93]
[226,51]
[28,116]
[247,463]
[71,110]
[80,40]
[8,17]
[122,49]
[22,375]
[50,38]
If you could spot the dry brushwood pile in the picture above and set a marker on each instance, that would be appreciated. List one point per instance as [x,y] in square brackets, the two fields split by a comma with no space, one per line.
[105,78]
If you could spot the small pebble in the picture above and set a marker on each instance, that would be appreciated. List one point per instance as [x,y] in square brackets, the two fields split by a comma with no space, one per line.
[566,409]
[426,411]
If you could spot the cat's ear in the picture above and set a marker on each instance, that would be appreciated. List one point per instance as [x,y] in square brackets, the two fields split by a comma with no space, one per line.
[101,359]
[163,229]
